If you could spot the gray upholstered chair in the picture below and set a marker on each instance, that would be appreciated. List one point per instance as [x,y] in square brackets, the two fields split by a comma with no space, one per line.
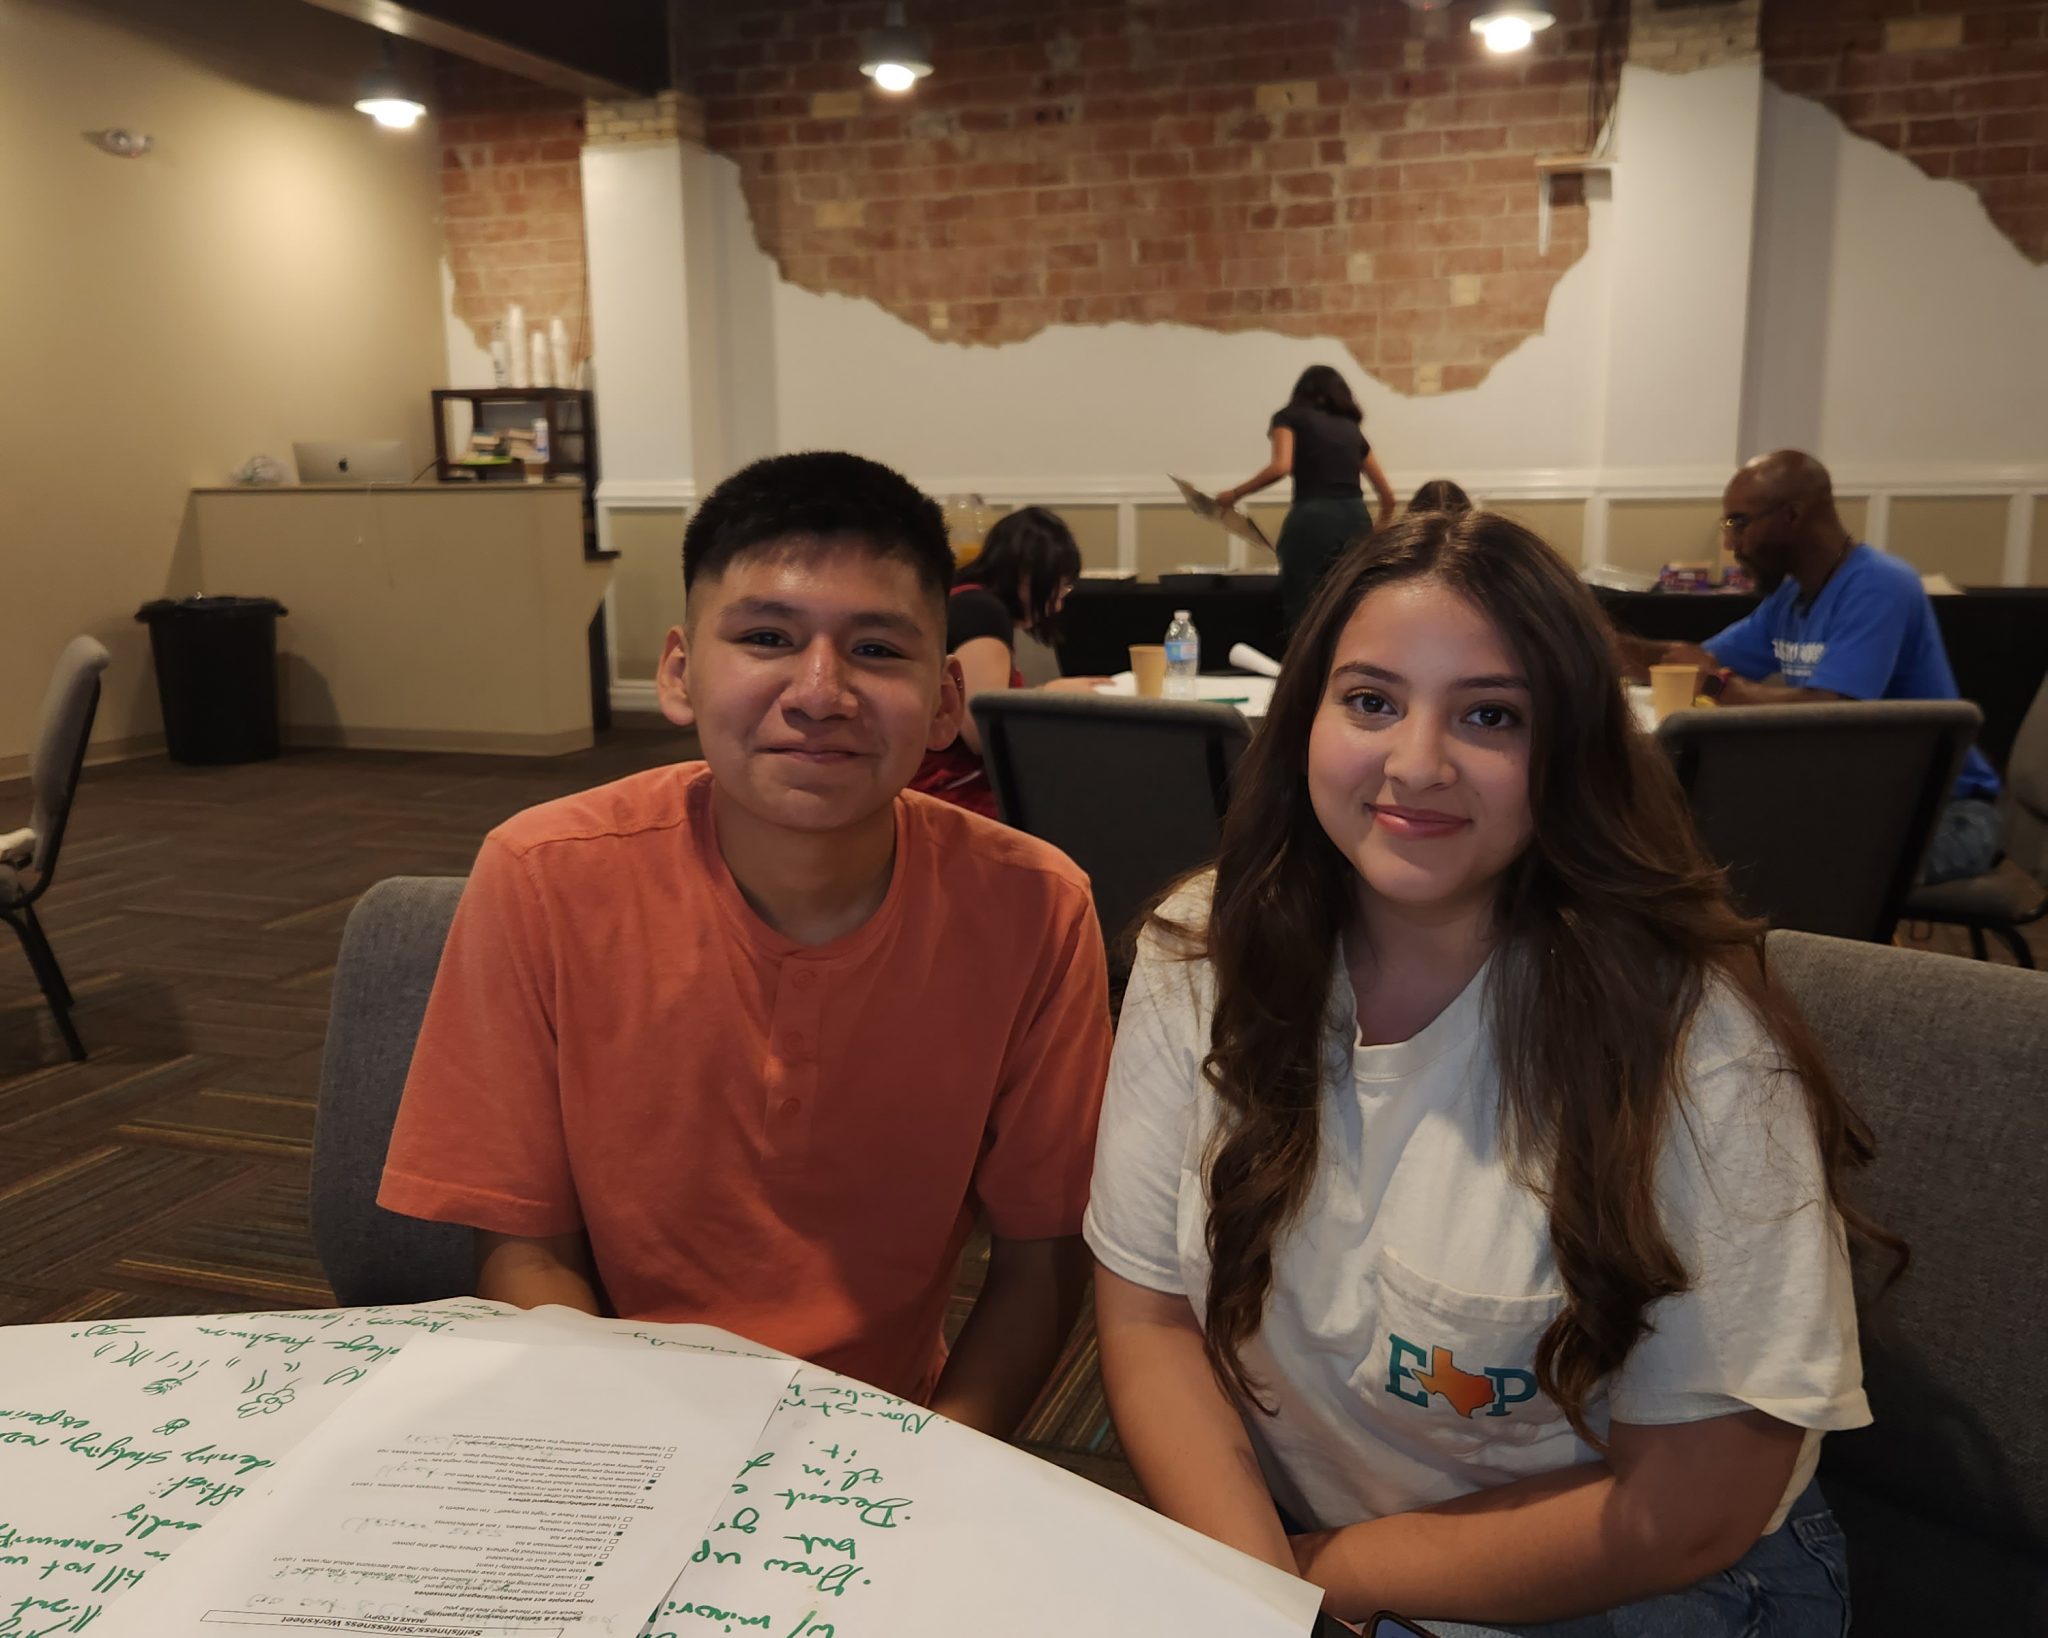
[1133,791]
[28,857]
[2002,901]
[1945,1499]
[1821,814]
[390,951]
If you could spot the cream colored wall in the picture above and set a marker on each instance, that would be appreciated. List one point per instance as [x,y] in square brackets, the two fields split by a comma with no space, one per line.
[1561,522]
[647,588]
[1647,534]
[1094,532]
[444,617]
[1170,536]
[2039,574]
[269,273]
[1961,536]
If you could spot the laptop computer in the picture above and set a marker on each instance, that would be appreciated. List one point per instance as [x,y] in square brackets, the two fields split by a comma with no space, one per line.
[374,461]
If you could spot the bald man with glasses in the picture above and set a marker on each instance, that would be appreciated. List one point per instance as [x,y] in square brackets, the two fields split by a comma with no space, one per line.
[1839,621]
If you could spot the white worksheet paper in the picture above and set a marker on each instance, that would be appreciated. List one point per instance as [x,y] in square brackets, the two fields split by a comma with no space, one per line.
[478,1487]
[861,1515]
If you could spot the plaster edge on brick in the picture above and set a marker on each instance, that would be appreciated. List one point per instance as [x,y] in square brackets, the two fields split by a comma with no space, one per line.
[932,321]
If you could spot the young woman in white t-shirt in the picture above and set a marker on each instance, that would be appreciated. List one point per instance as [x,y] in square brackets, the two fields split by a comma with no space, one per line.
[1467,1201]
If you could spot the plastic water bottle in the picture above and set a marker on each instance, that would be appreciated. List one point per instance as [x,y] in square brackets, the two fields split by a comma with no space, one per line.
[1183,657]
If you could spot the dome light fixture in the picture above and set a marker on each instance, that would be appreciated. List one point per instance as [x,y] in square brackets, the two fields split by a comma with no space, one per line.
[1511,28]
[895,56]
[387,99]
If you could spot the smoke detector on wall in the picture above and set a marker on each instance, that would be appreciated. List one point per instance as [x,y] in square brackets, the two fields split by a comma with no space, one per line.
[121,144]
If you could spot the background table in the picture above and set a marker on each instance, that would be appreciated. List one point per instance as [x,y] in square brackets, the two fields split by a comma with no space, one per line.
[1251,695]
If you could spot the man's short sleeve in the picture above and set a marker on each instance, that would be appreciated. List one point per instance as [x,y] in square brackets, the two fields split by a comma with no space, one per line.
[1032,1178]
[1866,633]
[478,1138]
[1745,647]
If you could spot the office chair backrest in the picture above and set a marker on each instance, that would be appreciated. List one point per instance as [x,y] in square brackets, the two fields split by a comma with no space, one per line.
[65,727]
[1133,791]
[1822,813]
[390,951]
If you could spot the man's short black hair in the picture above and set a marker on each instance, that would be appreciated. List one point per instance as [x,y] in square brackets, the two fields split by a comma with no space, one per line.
[818,495]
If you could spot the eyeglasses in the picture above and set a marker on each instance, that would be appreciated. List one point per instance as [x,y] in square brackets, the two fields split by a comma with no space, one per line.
[1733,523]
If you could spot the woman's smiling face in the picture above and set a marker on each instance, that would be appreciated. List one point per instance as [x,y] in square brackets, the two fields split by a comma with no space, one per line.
[1418,759]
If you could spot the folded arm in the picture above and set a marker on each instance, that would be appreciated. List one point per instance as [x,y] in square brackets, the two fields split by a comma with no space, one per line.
[1668,1507]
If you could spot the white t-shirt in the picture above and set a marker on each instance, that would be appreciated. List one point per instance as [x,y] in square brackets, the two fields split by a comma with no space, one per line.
[1400,1336]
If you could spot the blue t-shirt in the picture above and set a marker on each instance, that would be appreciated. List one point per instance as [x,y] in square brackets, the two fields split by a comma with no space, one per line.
[1869,635]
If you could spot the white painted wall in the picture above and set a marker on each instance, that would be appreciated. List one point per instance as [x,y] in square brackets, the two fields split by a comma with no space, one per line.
[1684,209]
[1894,323]
[466,364]
[633,224]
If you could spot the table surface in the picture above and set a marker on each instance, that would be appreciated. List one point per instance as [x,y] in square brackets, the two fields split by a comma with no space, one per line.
[1249,694]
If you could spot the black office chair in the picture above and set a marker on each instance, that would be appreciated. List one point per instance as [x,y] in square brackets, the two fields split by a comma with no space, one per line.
[1821,814]
[28,857]
[1133,791]
[2005,900]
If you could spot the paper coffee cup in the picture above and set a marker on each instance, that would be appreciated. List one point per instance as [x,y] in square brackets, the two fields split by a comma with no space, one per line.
[1148,667]
[1672,688]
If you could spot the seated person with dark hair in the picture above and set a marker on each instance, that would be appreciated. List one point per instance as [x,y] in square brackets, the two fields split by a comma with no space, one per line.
[1838,621]
[755,1041]
[1018,582]
[1440,495]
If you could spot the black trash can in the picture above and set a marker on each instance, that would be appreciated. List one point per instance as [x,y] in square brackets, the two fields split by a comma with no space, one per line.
[216,676]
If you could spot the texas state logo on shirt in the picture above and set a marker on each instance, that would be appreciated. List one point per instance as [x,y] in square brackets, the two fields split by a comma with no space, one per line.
[1419,1374]
[1797,661]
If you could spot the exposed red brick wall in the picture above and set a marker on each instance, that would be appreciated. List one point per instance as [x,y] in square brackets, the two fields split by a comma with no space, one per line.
[1313,167]
[1960,87]
[512,199]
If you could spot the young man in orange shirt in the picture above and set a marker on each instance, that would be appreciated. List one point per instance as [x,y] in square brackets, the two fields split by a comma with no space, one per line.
[755,1041]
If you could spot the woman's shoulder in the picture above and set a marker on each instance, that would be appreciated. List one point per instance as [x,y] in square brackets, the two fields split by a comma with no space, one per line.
[974,611]
[1737,1084]
[1725,1032]
[1178,927]
[1171,971]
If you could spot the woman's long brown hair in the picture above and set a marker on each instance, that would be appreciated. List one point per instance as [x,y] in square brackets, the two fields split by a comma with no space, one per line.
[1610,928]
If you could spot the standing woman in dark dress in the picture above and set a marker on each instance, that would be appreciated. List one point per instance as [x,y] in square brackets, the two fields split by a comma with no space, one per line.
[1319,439]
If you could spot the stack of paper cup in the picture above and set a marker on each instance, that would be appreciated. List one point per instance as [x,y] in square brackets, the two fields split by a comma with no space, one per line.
[558,345]
[515,344]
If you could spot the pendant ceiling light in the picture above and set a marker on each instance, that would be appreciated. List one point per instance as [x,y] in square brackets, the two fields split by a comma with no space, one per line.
[895,56]
[386,98]
[1510,28]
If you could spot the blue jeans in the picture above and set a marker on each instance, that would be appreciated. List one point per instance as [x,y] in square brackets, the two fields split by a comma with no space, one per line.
[1965,841]
[1791,1584]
